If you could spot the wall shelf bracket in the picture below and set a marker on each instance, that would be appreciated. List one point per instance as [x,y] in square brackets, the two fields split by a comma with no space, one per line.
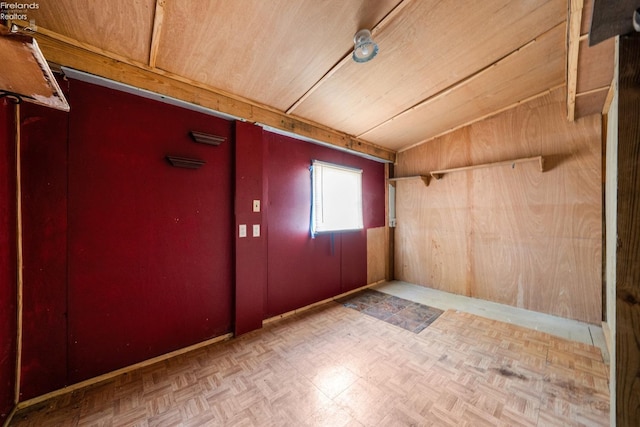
[184,162]
[439,173]
[424,178]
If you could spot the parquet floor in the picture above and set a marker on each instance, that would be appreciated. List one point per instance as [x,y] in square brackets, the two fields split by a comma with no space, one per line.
[334,366]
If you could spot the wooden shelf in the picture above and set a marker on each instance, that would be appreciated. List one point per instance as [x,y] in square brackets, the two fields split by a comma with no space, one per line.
[512,163]
[424,178]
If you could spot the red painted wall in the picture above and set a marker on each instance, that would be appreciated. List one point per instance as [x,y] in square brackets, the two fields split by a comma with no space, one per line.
[150,245]
[44,240]
[302,270]
[143,257]
[7,258]
[251,252]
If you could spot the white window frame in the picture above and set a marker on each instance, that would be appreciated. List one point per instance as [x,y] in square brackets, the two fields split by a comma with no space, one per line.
[332,212]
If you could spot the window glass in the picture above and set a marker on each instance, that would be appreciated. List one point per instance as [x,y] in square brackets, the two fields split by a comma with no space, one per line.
[336,198]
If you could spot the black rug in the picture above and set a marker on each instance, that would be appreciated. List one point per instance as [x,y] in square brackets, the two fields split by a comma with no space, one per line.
[409,315]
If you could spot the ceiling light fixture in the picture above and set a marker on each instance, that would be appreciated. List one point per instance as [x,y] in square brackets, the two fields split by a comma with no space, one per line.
[364,47]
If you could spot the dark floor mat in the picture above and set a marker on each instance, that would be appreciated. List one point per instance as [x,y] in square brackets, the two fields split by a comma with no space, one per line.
[409,315]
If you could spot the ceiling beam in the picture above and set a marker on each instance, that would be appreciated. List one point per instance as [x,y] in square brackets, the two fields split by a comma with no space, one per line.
[157,31]
[575,20]
[73,54]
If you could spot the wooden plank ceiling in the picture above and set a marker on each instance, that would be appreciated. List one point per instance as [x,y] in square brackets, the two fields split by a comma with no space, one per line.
[287,64]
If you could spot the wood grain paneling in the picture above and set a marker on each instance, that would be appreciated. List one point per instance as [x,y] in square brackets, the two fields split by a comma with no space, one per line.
[509,234]
[596,65]
[425,50]
[271,52]
[628,248]
[119,26]
[376,254]
[293,60]
[591,102]
[593,71]
[524,73]
[431,236]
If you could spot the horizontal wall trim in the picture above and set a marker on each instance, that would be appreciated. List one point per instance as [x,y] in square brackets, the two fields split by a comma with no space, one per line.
[123,87]
[89,59]
[316,304]
[324,144]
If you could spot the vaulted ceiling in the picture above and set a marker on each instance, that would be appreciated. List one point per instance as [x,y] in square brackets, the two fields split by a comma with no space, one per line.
[287,63]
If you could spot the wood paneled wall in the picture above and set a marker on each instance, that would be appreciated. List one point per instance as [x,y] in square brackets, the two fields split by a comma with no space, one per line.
[509,234]
[376,254]
[627,275]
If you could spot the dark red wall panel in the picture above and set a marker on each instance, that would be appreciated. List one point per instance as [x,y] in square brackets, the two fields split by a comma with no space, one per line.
[44,236]
[8,259]
[353,267]
[150,249]
[302,270]
[150,245]
[251,252]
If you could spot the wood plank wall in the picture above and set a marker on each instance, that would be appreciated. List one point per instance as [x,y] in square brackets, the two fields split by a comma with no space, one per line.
[627,323]
[376,254]
[508,234]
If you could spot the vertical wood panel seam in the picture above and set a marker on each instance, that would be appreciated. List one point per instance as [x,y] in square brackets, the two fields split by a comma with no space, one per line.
[575,21]
[19,281]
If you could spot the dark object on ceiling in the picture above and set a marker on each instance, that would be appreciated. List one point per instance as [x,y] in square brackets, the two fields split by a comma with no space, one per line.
[612,18]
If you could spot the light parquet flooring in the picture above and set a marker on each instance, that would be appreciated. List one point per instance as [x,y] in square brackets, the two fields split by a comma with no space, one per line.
[334,366]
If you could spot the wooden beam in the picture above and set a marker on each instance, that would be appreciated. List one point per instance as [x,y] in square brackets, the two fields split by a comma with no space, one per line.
[592,91]
[82,57]
[575,20]
[609,98]
[157,31]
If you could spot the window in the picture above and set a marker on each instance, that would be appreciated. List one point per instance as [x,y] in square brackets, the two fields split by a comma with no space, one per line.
[336,203]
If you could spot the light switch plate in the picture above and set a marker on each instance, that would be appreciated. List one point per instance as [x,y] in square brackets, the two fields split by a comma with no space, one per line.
[242,232]
[256,230]
[256,205]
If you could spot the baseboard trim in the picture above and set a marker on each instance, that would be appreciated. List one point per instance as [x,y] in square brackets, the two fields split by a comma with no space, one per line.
[315,304]
[113,374]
